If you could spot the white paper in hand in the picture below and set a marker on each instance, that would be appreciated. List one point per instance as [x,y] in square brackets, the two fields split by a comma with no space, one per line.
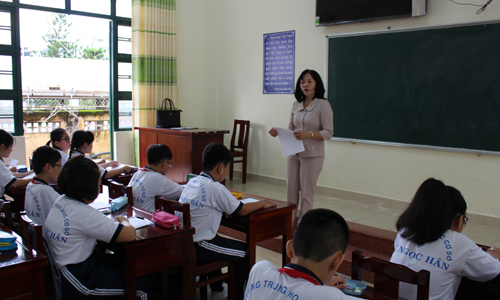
[289,144]
[13,162]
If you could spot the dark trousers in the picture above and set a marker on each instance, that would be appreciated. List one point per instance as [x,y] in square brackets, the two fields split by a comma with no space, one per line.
[100,275]
[222,249]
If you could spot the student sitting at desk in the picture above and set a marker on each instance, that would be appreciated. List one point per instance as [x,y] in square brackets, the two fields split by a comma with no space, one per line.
[40,196]
[317,250]
[151,181]
[208,199]
[59,139]
[72,228]
[82,142]
[430,238]
[7,178]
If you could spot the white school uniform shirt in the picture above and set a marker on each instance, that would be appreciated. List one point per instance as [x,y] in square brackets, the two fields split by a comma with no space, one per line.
[208,199]
[39,199]
[449,258]
[147,183]
[101,169]
[72,229]
[6,178]
[266,282]
[64,156]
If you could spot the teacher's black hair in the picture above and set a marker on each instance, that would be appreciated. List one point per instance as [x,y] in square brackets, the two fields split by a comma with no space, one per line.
[320,87]
[431,212]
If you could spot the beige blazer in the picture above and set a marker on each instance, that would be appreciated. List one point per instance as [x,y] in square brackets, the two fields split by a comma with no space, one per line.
[318,116]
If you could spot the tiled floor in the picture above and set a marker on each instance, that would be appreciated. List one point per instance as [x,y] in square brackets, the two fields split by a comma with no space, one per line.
[371,215]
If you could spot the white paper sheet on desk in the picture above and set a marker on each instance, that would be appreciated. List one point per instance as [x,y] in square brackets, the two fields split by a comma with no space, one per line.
[29,176]
[138,223]
[289,144]
[99,205]
[249,200]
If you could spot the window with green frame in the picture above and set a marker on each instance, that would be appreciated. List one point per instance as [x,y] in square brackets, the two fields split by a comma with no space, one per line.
[119,12]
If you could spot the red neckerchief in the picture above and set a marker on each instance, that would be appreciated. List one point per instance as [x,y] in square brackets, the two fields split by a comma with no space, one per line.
[292,272]
[36,180]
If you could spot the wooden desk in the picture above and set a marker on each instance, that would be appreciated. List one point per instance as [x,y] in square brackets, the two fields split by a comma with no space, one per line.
[470,289]
[157,249]
[264,224]
[21,275]
[186,145]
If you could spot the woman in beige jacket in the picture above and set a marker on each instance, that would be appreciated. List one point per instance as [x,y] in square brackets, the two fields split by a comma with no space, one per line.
[312,122]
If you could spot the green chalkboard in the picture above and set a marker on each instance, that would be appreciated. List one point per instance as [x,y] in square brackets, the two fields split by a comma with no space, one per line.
[433,87]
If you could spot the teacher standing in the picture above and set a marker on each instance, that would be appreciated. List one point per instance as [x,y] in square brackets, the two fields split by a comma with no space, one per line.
[312,122]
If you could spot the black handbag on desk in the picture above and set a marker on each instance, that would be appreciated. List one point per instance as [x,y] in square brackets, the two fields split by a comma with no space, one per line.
[167,116]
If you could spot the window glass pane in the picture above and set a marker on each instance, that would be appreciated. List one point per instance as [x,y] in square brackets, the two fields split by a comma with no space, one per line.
[124,77]
[47,3]
[125,39]
[5,29]
[124,8]
[6,72]
[125,114]
[93,6]
[5,19]
[6,63]
[7,115]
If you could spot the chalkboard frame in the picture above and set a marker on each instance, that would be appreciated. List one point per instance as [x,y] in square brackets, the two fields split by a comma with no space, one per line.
[477,152]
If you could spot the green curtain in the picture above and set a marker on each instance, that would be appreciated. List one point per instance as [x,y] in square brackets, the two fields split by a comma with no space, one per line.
[154,60]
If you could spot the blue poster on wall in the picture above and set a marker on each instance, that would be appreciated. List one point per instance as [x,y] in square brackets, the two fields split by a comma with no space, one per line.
[279,62]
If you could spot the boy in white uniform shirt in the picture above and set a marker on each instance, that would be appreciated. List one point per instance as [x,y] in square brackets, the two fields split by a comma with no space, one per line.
[40,196]
[151,181]
[317,250]
[208,200]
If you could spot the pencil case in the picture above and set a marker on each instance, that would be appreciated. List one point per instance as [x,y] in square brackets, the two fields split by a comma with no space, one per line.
[118,203]
[354,287]
[165,220]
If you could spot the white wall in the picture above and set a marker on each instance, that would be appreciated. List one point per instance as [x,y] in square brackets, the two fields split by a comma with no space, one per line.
[220,79]
[18,151]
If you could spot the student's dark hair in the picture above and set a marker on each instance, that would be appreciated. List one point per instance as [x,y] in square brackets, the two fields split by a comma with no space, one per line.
[56,136]
[320,87]
[215,154]
[320,234]
[6,138]
[44,155]
[158,152]
[79,138]
[431,212]
[79,178]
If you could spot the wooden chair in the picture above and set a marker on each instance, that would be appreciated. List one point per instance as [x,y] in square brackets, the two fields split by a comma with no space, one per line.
[239,147]
[118,189]
[6,219]
[32,232]
[171,206]
[388,275]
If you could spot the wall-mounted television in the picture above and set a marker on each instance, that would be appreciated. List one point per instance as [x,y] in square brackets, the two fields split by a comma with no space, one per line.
[331,12]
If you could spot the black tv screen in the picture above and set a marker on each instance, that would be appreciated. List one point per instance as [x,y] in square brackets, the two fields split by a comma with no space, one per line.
[330,12]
